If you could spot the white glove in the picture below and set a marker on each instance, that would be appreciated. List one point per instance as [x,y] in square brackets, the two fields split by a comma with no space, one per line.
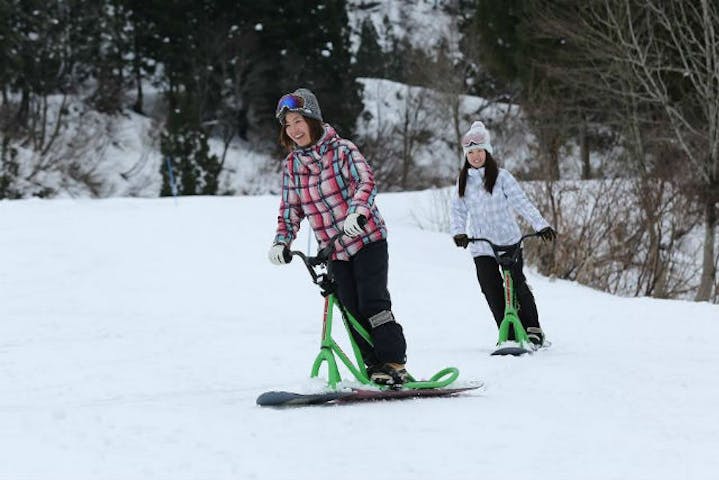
[352,227]
[276,254]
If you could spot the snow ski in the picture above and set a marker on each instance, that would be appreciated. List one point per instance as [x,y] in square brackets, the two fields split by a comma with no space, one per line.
[289,399]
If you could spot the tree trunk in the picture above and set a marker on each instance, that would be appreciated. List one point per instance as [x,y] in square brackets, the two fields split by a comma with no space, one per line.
[584,151]
[708,268]
[138,107]
[553,158]
[22,114]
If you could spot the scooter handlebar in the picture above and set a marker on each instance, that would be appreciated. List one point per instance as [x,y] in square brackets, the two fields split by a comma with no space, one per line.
[501,249]
[324,253]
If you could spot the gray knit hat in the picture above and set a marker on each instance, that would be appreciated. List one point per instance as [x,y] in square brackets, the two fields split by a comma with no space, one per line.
[302,101]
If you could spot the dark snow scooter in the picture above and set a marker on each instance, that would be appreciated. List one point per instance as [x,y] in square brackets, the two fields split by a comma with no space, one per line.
[330,351]
[507,255]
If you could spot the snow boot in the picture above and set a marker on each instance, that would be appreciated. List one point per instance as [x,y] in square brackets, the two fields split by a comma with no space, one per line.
[536,336]
[389,374]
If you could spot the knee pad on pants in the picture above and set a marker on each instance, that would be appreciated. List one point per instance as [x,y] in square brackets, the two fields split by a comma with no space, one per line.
[381,318]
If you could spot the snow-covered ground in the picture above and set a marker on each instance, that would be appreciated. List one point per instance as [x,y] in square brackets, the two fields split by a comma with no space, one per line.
[136,334]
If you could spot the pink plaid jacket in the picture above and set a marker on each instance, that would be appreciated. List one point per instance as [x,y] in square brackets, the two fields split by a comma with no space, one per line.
[325,183]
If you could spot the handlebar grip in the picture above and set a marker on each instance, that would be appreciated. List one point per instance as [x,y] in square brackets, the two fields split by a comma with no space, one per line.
[286,255]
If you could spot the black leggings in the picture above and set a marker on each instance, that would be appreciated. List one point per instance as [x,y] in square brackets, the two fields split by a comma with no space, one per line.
[362,289]
[490,280]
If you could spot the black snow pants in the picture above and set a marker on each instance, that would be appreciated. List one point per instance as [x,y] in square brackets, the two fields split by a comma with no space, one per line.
[362,289]
[490,280]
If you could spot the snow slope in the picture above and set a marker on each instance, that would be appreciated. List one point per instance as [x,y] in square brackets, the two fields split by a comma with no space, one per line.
[136,334]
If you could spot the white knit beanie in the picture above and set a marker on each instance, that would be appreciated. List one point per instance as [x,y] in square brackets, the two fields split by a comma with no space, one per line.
[477,137]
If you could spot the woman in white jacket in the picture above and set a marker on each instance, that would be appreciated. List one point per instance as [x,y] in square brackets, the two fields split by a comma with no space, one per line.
[489,196]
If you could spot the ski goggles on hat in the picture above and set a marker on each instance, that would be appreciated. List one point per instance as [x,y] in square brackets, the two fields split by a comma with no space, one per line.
[290,103]
[473,140]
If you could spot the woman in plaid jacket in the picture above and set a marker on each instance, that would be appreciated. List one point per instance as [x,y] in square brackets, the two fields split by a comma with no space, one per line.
[488,196]
[327,180]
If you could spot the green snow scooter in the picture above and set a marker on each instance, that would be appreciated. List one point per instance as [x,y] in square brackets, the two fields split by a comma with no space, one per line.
[507,256]
[330,351]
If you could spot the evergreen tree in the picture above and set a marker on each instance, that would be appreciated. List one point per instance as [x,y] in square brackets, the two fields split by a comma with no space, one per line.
[9,169]
[144,43]
[510,49]
[8,44]
[395,65]
[184,146]
[494,43]
[192,53]
[309,41]
[38,51]
[111,66]
[83,39]
[370,59]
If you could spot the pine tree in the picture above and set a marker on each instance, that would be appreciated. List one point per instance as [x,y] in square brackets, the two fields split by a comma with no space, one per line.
[184,146]
[9,169]
[370,60]
[308,45]
[192,52]
[143,43]
[508,48]
[8,42]
[38,52]
[111,66]
[394,64]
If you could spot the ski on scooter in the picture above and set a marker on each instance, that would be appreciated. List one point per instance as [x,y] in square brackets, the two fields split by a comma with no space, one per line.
[354,395]
[513,350]
[516,349]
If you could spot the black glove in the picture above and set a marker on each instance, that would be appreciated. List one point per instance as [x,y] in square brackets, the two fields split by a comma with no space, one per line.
[547,234]
[461,240]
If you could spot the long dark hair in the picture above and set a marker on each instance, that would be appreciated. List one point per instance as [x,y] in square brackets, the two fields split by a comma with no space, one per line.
[316,132]
[491,170]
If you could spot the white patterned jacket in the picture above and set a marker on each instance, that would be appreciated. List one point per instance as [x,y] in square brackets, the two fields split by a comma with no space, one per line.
[492,215]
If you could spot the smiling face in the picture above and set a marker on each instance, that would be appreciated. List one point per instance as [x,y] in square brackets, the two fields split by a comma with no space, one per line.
[298,129]
[476,157]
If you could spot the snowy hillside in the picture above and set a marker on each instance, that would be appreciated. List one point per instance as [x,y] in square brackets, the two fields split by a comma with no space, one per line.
[80,152]
[135,336]
[424,22]
[101,156]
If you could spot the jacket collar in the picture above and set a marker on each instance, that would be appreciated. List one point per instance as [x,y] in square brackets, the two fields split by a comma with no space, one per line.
[327,140]
[476,172]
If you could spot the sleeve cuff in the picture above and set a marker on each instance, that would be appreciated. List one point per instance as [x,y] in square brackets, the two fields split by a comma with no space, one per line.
[282,240]
[361,209]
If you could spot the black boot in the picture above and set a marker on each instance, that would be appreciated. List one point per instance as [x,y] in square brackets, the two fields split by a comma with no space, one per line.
[536,336]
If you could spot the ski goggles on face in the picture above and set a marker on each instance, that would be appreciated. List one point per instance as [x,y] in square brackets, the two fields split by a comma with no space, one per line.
[289,103]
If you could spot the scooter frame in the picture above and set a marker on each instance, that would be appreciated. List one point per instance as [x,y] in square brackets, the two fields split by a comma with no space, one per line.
[329,348]
[507,256]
